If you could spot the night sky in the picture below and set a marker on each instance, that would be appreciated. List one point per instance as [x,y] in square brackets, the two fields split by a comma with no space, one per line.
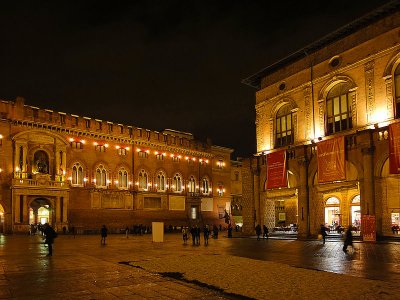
[158,64]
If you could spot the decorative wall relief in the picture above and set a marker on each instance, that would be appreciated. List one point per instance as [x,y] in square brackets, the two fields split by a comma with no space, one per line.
[111,199]
[370,90]
[307,110]
[321,116]
[389,97]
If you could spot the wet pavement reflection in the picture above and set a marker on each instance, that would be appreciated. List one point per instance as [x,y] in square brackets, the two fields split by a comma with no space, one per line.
[368,260]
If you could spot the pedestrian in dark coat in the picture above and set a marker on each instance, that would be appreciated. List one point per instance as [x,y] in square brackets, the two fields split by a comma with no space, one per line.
[265,234]
[206,233]
[198,231]
[258,231]
[103,232]
[348,240]
[50,234]
[193,233]
[323,233]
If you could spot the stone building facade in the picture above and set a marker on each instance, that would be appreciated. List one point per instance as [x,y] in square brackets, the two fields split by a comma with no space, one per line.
[346,84]
[77,171]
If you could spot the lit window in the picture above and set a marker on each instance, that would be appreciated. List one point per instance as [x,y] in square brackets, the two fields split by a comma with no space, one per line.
[143,180]
[192,185]
[76,145]
[159,156]
[205,186]
[338,109]
[123,179]
[220,164]
[121,151]
[100,148]
[77,174]
[101,177]
[177,183]
[175,159]
[284,127]
[220,189]
[143,154]
[160,182]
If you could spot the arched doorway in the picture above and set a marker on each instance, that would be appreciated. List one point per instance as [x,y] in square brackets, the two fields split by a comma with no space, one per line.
[40,211]
[355,213]
[332,212]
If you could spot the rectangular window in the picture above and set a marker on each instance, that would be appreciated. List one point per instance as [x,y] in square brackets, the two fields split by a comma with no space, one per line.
[77,145]
[87,123]
[175,159]
[159,157]
[152,203]
[143,154]
[99,125]
[121,129]
[76,121]
[100,148]
[110,127]
[121,151]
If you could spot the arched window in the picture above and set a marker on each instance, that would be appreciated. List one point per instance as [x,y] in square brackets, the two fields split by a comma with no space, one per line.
[284,127]
[220,189]
[192,185]
[356,200]
[205,186]
[101,177]
[338,109]
[397,90]
[143,180]
[332,212]
[160,181]
[77,174]
[123,179]
[332,201]
[177,183]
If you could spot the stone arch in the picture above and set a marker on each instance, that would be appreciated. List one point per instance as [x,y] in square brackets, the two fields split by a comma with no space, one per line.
[43,135]
[280,103]
[334,81]
[392,65]
[382,164]
[36,203]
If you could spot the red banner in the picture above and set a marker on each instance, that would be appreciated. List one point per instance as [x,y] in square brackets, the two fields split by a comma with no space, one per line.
[368,228]
[276,170]
[394,148]
[331,160]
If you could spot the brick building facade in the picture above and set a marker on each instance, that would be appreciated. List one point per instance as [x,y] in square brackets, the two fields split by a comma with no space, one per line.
[345,85]
[77,171]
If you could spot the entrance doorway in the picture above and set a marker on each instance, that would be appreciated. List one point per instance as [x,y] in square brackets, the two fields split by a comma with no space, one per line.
[332,212]
[356,213]
[40,211]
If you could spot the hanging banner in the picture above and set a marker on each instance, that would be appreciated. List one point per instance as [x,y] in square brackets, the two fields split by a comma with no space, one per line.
[394,148]
[276,170]
[331,160]
[368,228]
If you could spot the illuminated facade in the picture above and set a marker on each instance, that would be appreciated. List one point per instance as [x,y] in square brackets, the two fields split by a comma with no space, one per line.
[346,84]
[77,171]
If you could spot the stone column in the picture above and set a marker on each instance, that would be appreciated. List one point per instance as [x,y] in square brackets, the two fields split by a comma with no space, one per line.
[64,161]
[65,210]
[368,190]
[16,157]
[58,210]
[24,155]
[303,197]
[57,163]
[17,208]
[25,212]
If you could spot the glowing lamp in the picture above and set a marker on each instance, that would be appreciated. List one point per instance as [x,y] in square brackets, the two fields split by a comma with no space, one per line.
[106,145]
[83,141]
[71,139]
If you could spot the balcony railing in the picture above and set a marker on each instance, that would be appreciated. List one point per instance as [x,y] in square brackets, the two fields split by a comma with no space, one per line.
[35,183]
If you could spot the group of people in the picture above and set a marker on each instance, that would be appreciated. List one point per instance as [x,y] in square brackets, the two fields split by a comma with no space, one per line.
[195,232]
[265,232]
[348,238]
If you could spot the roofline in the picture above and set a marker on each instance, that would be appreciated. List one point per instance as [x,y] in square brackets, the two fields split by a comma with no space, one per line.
[377,14]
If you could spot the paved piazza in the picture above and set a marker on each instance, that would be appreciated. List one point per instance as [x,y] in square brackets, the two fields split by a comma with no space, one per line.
[238,268]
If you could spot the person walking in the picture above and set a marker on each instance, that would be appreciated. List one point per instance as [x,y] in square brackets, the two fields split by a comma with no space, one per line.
[127,231]
[206,233]
[265,230]
[50,234]
[184,234]
[193,234]
[198,232]
[323,233]
[258,231]
[348,240]
[103,232]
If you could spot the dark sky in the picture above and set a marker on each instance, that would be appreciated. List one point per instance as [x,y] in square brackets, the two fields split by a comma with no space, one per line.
[158,64]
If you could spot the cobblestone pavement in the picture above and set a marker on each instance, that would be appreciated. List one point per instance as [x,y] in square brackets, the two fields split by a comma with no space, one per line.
[238,268]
